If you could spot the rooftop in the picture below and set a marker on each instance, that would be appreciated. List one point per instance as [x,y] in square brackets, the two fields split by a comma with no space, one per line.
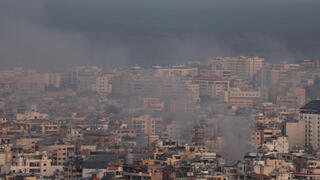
[210,78]
[313,106]
[100,160]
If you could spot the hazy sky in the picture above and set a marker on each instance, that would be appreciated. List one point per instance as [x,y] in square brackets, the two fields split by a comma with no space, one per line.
[54,34]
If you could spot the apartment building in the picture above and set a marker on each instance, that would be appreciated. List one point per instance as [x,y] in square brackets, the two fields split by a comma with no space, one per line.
[214,87]
[310,114]
[103,84]
[59,153]
[148,124]
[235,96]
[241,66]
[37,163]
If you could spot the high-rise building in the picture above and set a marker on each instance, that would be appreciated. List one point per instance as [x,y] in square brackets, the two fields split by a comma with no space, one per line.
[148,124]
[241,66]
[295,132]
[52,80]
[254,64]
[103,84]
[198,138]
[213,87]
[310,114]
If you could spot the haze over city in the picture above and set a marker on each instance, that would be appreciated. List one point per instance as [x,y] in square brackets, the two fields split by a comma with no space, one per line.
[44,33]
[159,89]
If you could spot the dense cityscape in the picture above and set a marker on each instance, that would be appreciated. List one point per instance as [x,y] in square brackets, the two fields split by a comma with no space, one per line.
[226,118]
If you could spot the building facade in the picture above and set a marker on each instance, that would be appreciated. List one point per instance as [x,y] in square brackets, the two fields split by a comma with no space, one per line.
[310,114]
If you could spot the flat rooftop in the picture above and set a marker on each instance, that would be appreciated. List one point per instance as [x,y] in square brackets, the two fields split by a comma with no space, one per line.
[312,106]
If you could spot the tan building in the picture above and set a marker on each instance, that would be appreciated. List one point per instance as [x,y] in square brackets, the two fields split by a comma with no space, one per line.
[254,64]
[296,96]
[310,114]
[181,71]
[50,128]
[148,124]
[59,153]
[153,104]
[241,98]
[32,115]
[28,143]
[194,90]
[52,79]
[260,135]
[29,82]
[212,86]
[122,132]
[5,161]
[243,67]
[37,163]
[173,130]
[103,84]
[295,133]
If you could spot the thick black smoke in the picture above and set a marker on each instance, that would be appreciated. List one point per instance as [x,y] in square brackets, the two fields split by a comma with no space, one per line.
[55,33]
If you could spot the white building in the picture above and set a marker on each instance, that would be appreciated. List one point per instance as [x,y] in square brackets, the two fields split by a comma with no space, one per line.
[35,163]
[32,115]
[280,145]
[237,93]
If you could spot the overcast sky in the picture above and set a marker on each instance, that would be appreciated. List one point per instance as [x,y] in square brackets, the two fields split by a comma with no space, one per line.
[54,34]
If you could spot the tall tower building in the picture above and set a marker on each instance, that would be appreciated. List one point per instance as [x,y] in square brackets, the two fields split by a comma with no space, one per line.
[254,64]
[198,138]
[310,114]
